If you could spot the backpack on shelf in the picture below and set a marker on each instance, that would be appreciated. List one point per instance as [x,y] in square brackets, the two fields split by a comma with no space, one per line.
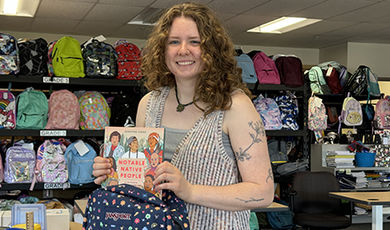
[382,114]
[33,57]
[332,80]
[19,164]
[248,69]
[269,112]
[50,165]
[64,110]
[32,110]
[95,113]
[9,55]
[265,68]
[363,82]
[317,118]
[7,110]
[100,60]
[342,71]
[50,48]
[67,59]
[290,70]
[351,114]
[317,81]
[333,117]
[129,60]
[288,111]
[143,210]
[79,157]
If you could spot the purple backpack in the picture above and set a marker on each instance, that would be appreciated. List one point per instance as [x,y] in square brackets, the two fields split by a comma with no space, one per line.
[51,166]
[269,112]
[265,68]
[19,165]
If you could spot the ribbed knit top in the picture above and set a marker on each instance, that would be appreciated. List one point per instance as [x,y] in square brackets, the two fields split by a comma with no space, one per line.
[202,159]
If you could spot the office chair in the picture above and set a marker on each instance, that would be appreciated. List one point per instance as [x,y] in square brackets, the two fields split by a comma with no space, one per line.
[311,204]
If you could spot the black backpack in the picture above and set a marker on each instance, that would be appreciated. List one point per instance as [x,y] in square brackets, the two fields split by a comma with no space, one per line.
[357,83]
[33,57]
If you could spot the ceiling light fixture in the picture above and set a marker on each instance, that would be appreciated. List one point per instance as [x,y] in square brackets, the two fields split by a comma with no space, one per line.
[283,25]
[24,8]
[147,17]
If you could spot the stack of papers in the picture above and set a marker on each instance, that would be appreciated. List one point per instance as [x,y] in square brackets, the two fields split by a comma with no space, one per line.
[340,159]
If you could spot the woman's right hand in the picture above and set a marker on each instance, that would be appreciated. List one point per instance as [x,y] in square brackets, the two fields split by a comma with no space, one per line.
[101,168]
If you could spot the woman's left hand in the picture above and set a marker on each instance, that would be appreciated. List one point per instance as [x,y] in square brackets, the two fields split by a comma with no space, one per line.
[169,177]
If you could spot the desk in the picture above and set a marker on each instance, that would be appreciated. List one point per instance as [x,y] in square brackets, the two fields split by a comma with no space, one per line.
[375,199]
[274,207]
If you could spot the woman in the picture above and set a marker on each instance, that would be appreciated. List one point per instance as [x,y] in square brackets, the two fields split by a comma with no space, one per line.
[220,165]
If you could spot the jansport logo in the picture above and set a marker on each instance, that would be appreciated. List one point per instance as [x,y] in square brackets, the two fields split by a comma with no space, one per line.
[116,215]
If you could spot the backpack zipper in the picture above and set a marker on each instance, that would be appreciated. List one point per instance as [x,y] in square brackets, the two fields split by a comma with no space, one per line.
[62,59]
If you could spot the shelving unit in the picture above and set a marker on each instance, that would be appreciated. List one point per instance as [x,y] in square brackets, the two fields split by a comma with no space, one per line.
[46,84]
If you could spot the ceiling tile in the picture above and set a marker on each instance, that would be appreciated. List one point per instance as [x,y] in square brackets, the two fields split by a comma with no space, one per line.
[63,9]
[15,23]
[372,13]
[112,13]
[234,6]
[56,26]
[132,31]
[92,28]
[127,2]
[164,4]
[332,8]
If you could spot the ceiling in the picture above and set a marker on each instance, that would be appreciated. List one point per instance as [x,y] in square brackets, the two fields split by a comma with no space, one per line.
[343,20]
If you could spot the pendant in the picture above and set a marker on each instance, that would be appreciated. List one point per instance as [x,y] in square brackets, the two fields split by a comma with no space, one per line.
[179,108]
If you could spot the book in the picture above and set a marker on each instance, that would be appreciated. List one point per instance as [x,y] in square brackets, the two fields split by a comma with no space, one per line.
[135,153]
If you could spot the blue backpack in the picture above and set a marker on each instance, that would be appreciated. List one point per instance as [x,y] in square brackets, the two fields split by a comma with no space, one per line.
[248,70]
[128,207]
[79,165]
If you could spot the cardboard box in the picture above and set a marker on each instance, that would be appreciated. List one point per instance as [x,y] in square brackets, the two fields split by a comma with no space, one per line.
[57,219]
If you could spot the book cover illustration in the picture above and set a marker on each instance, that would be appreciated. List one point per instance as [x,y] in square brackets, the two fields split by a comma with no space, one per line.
[135,153]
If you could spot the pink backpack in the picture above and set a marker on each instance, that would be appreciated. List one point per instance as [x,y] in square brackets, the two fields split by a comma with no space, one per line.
[317,118]
[7,110]
[50,165]
[382,113]
[64,110]
[269,112]
[265,68]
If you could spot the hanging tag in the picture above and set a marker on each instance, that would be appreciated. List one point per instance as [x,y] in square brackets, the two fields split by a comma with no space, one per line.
[81,147]
[329,71]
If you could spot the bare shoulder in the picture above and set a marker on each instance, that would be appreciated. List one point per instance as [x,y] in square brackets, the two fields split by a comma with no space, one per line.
[140,120]
[242,110]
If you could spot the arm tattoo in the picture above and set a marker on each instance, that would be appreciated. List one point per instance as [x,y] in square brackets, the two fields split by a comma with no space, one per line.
[270,175]
[258,127]
[250,200]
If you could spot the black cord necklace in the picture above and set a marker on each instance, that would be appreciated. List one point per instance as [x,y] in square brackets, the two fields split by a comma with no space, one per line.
[180,107]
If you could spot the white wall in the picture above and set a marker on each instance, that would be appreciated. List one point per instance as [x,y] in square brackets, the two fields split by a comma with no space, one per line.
[376,56]
[337,53]
[307,56]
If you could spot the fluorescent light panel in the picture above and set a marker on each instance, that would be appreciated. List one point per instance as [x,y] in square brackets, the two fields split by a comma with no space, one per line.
[24,8]
[147,17]
[283,25]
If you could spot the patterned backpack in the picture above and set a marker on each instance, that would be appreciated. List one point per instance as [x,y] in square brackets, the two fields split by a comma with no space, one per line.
[9,54]
[95,113]
[50,58]
[7,110]
[80,164]
[50,165]
[129,60]
[64,110]
[317,118]
[100,60]
[33,57]
[382,113]
[351,113]
[19,164]
[269,112]
[128,207]
[288,111]
[266,70]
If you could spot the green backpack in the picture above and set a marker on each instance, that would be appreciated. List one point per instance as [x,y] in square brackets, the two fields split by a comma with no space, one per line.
[67,59]
[32,110]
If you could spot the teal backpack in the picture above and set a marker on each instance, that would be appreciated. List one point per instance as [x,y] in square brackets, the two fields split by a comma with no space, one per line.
[32,110]
[67,59]
[317,81]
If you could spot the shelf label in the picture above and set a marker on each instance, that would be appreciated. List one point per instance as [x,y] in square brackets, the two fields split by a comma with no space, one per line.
[52,133]
[58,80]
[56,185]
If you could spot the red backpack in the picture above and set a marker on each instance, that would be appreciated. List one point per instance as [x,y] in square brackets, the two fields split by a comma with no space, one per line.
[290,70]
[332,80]
[129,60]
[265,68]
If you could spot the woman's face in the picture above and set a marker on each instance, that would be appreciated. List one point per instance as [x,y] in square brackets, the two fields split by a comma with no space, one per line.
[152,142]
[115,140]
[182,52]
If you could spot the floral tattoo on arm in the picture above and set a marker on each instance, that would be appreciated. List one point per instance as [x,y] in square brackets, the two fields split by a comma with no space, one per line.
[258,128]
